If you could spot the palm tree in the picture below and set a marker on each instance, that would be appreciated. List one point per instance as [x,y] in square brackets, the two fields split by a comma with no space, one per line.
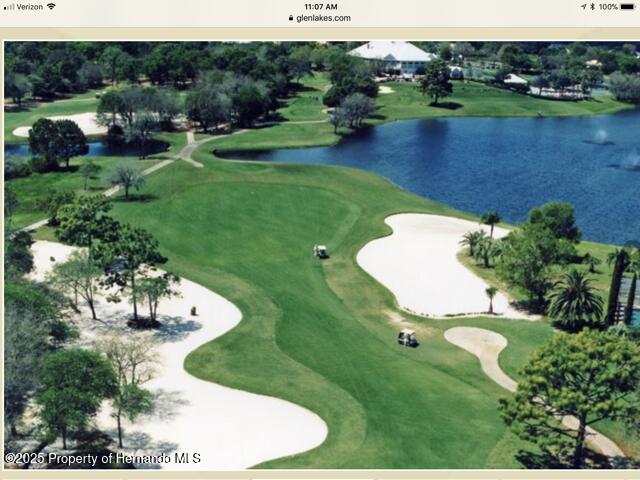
[490,218]
[472,239]
[486,250]
[621,254]
[591,261]
[574,303]
[491,292]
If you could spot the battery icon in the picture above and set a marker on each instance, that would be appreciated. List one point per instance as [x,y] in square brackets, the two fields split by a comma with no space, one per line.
[627,6]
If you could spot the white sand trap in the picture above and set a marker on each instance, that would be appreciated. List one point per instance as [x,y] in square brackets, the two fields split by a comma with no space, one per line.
[384,89]
[486,345]
[230,429]
[86,121]
[418,264]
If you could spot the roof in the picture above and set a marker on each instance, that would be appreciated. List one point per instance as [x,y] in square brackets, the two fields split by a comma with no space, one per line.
[392,50]
[407,331]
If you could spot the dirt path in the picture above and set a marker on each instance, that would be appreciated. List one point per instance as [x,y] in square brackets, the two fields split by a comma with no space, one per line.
[486,345]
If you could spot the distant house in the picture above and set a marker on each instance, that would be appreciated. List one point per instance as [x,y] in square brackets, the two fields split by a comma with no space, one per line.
[395,56]
[513,79]
[593,63]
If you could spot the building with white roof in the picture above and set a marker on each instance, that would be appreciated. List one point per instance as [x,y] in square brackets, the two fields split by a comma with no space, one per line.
[396,56]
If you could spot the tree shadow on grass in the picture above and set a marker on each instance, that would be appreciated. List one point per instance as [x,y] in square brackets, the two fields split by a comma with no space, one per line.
[593,460]
[137,198]
[446,105]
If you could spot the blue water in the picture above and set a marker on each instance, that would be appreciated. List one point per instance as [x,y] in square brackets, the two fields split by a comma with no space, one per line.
[505,164]
[96,149]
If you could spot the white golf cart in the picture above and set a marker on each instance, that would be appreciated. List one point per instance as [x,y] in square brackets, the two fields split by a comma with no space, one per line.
[407,337]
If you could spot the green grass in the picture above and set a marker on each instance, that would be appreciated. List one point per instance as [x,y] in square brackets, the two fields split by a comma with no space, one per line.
[29,189]
[32,111]
[306,104]
[326,330]
[476,99]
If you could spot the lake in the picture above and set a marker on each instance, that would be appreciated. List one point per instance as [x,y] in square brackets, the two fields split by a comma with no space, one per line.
[504,164]
[96,149]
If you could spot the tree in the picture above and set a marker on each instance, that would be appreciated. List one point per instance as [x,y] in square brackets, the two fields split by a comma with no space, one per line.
[130,402]
[133,360]
[490,218]
[491,293]
[337,118]
[26,340]
[123,257]
[591,376]
[111,103]
[628,314]
[355,108]
[487,249]
[111,58]
[74,384]
[140,129]
[126,176]
[16,86]
[248,104]
[72,140]
[208,107]
[435,81]
[52,142]
[559,218]
[527,255]
[625,88]
[299,59]
[78,275]
[152,289]
[88,170]
[44,141]
[574,304]
[51,203]
[85,220]
[18,259]
[471,240]
[621,261]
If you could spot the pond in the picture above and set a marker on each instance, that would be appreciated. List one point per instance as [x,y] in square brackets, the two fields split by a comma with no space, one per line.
[504,164]
[96,149]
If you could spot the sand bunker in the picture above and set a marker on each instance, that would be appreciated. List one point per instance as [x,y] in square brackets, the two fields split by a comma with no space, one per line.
[231,429]
[86,121]
[419,264]
[383,90]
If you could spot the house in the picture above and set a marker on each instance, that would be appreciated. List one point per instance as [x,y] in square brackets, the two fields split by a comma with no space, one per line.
[395,56]
[593,63]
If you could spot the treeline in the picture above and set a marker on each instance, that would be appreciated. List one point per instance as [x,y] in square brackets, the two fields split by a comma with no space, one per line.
[45,70]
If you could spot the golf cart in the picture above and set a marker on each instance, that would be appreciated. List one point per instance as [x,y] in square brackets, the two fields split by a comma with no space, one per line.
[320,251]
[407,337]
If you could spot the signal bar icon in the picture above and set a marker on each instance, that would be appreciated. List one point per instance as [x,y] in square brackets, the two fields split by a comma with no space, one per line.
[51,6]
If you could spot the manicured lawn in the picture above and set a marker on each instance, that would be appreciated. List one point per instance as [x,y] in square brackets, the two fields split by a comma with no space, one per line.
[476,99]
[34,186]
[306,104]
[326,330]
[30,189]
